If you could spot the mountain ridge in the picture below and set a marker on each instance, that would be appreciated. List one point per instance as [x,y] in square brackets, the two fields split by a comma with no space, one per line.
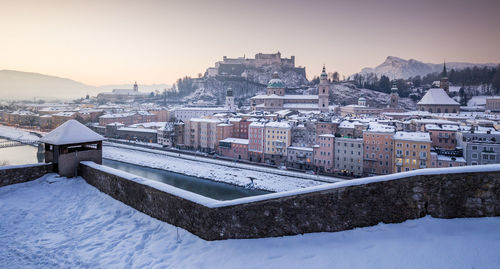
[16,84]
[395,67]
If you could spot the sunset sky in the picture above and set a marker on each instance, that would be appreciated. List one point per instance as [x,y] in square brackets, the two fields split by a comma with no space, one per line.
[107,42]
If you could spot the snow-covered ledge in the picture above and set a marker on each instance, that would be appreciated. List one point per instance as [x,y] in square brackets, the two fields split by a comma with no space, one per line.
[209,202]
[472,191]
[14,174]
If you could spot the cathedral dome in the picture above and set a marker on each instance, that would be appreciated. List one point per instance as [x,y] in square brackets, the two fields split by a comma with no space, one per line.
[276,82]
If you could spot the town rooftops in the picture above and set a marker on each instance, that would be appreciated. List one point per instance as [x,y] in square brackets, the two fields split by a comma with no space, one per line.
[436,96]
[412,136]
[71,132]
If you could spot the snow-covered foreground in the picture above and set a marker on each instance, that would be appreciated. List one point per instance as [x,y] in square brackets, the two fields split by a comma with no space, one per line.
[233,175]
[65,223]
[16,134]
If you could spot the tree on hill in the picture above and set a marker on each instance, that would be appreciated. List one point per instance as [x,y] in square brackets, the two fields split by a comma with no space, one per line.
[384,84]
[496,80]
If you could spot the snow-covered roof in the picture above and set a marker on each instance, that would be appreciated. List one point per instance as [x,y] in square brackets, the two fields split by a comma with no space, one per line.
[71,132]
[450,159]
[235,140]
[380,128]
[301,148]
[301,105]
[412,136]
[445,127]
[436,96]
[278,124]
[141,130]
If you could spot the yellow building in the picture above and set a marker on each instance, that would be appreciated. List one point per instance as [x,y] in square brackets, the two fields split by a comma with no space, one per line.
[411,151]
[277,138]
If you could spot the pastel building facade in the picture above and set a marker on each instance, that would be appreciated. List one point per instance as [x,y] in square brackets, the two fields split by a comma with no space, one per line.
[411,151]
[349,156]
[324,152]
[277,139]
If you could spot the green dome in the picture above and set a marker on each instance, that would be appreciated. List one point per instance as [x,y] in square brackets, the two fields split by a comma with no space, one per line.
[276,82]
[323,73]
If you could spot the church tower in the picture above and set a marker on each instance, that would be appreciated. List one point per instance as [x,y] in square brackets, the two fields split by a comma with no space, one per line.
[136,88]
[323,91]
[230,100]
[394,102]
[444,84]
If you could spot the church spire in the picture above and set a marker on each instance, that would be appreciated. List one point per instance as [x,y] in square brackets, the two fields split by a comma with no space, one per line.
[444,73]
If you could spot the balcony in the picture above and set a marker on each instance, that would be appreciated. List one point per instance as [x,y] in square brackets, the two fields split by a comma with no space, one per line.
[400,163]
[279,144]
[399,155]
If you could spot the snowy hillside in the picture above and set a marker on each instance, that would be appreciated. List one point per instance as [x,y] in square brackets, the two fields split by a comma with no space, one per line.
[394,68]
[254,82]
[347,94]
[65,223]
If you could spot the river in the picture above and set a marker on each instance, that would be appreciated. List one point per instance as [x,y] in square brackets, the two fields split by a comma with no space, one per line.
[216,190]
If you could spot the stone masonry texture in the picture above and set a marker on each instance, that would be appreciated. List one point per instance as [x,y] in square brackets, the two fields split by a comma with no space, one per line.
[336,209]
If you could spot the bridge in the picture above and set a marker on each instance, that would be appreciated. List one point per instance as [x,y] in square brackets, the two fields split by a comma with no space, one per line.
[8,144]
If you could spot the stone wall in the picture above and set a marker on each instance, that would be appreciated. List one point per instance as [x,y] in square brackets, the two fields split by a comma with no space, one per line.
[23,173]
[336,207]
[68,163]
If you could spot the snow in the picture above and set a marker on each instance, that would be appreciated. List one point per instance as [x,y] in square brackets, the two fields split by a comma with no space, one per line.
[412,136]
[238,174]
[479,100]
[436,96]
[141,130]
[235,140]
[71,132]
[16,134]
[65,223]
[278,124]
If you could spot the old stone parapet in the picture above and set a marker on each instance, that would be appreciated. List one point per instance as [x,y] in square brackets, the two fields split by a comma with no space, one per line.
[442,193]
[23,173]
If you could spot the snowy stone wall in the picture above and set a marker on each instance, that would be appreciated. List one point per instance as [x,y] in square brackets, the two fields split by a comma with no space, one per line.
[23,173]
[336,207]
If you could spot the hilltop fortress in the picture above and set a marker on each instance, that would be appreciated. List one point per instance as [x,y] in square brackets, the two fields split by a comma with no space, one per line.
[237,66]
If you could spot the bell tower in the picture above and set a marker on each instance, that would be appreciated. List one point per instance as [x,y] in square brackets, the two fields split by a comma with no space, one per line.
[230,100]
[444,84]
[323,91]
[394,101]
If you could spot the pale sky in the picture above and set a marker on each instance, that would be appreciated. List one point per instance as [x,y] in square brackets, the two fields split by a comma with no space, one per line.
[108,42]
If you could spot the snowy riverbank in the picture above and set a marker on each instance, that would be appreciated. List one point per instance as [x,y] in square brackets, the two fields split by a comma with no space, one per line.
[66,223]
[16,134]
[234,175]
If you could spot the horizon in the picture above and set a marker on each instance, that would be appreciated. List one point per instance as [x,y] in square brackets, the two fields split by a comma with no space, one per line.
[116,42]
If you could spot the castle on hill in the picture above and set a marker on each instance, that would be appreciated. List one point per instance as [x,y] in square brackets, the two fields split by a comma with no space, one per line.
[237,66]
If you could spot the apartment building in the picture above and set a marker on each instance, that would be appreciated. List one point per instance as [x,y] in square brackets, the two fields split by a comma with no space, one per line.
[378,149]
[349,156]
[411,151]
[324,153]
[277,139]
